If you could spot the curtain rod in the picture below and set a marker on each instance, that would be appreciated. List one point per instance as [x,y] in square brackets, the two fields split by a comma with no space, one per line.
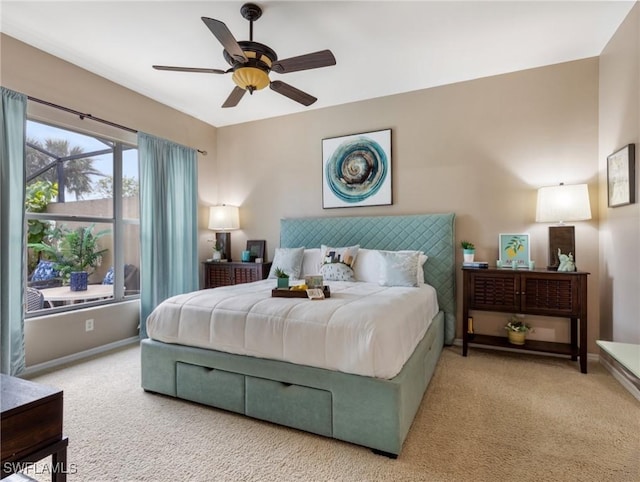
[93,118]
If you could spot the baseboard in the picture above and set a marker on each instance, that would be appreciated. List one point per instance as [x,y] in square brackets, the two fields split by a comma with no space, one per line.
[52,364]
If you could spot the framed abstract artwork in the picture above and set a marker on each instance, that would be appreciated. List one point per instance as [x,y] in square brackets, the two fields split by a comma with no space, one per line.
[514,250]
[356,170]
[621,177]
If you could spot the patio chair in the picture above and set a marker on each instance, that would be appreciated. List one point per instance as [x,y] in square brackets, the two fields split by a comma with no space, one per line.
[131,279]
[35,299]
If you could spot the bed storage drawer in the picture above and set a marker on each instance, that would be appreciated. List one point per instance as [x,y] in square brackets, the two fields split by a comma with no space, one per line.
[296,406]
[210,386]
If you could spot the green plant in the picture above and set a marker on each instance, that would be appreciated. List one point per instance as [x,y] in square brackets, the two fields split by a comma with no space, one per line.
[73,250]
[467,245]
[517,324]
[38,195]
[280,274]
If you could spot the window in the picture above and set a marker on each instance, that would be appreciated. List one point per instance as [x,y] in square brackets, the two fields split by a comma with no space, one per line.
[82,211]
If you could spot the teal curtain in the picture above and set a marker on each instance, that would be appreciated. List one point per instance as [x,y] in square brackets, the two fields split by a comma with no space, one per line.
[13,119]
[168,222]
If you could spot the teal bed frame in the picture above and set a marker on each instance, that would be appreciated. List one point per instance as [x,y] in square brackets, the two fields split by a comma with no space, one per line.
[371,412]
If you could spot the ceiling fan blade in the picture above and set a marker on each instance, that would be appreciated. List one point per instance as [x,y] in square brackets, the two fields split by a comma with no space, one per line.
[226,38]
[323,58]
[189,69]
[234,97]
[293,93]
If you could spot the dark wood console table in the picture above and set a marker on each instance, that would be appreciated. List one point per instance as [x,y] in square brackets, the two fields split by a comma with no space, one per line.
[531,292]
[31,427]
[233,273]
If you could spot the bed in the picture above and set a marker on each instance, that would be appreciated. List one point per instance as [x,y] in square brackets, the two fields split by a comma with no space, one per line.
[365,410]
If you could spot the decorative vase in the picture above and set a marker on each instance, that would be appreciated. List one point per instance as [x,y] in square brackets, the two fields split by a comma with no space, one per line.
[517,337]
[78,280]
[283,282]
[217,255]
[468,255]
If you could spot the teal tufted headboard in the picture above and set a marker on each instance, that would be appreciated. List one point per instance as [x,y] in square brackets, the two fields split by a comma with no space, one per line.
[431,233]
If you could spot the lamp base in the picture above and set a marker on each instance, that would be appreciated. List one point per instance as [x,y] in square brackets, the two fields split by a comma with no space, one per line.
[224,241]
[562,238]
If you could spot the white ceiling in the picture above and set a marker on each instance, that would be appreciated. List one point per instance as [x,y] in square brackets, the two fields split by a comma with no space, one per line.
[381,48]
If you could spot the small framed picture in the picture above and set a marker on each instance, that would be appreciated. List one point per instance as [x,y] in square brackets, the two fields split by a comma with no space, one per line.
[256,248]
[621,176]
[514,250]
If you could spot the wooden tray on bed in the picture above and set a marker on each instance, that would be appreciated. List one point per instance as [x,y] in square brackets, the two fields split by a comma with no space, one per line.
[281,293]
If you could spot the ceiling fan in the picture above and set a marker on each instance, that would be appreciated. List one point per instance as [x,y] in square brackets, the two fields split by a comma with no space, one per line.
[251,62]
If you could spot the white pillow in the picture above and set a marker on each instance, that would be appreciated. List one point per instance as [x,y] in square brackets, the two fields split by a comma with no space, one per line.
[399,268]
[311,262]
[288,260]
[346,255]
[367,266]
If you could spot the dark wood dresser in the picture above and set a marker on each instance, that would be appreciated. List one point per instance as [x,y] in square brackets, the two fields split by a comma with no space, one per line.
[31,427]
[529,292]
[233,273]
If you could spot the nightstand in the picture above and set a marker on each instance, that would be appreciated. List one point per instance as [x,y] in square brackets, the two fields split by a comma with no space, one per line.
[233,272]
[532,292]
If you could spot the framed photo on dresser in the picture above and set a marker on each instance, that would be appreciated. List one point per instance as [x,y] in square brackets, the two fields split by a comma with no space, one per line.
[256,248]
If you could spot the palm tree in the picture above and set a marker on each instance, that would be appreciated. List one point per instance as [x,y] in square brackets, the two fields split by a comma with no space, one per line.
[56,161]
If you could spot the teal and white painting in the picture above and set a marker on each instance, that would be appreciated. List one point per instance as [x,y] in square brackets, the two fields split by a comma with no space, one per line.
[356,170]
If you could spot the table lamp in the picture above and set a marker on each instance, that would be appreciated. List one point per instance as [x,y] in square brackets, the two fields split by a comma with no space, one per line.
[223,219]
[557,204]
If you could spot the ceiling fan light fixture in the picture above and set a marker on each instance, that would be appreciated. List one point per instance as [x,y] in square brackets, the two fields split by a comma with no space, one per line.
[251,78]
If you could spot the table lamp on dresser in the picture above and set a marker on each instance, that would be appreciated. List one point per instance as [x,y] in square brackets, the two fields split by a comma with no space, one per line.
[557,204]
[223,219]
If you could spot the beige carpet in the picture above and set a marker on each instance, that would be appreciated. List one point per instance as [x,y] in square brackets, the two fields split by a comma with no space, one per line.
[493,416]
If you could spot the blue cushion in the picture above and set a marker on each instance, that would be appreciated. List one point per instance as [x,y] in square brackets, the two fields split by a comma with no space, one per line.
[108,278]
[44,271]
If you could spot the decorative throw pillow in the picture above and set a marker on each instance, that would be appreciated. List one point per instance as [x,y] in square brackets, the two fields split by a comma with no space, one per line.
[336,272]
[346,255]
[288,260]
[44,271]
[399,268]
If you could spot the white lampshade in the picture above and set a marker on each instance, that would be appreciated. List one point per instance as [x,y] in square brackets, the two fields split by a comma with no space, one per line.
[224,218]
[557,204]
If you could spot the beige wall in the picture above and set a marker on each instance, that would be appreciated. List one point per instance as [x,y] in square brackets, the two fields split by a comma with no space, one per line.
[620,227]
[479,149]
[37,74]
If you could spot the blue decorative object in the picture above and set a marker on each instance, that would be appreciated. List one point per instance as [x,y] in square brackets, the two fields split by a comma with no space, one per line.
[246,256]
[78,280]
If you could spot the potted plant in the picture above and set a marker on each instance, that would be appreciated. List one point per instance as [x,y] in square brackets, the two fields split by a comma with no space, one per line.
[283,278]
[75,253]
[468,251]
[217,252]
[517,330]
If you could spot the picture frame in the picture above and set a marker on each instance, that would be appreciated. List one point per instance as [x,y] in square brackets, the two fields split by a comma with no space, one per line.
[621,177]
[515,248]
[356,170]
[256,248]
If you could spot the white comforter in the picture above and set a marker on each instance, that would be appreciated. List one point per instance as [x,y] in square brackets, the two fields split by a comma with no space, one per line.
[363,328]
